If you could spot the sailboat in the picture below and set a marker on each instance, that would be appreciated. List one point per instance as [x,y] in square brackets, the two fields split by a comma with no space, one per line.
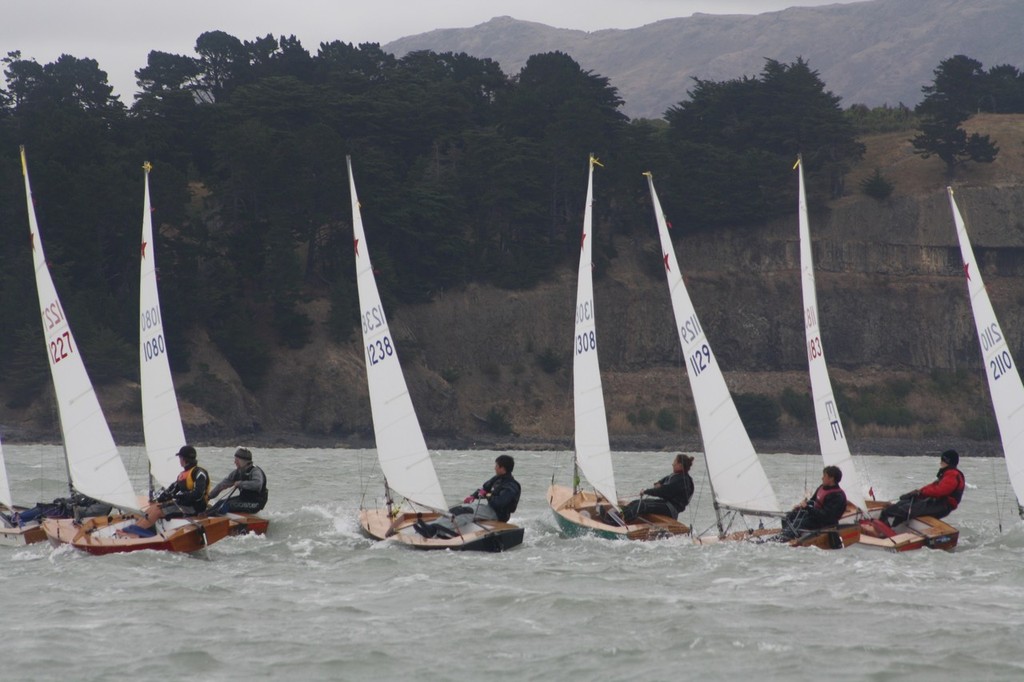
[1004,382]
[835,449]
[13,535]
[161,419]
[95,468]
[401,449]
[578,511]
[743,496]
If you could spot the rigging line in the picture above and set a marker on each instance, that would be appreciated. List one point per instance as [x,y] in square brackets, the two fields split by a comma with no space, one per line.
[996,494]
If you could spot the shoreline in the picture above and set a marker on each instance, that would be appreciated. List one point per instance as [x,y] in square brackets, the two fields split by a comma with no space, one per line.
[891,446]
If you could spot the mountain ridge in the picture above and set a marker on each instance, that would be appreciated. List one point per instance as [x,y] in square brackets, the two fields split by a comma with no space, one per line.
[874,52]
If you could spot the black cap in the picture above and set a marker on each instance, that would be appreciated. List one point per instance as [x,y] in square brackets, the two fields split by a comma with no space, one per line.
[950,457]
[188,453]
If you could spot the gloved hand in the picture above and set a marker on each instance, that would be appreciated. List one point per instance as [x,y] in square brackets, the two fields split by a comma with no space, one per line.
[909,496]
[478,495]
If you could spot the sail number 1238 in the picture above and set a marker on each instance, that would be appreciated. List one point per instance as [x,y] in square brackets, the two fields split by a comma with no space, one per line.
[379,350]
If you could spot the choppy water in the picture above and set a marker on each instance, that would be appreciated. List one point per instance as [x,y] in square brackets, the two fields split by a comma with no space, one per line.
[314,600]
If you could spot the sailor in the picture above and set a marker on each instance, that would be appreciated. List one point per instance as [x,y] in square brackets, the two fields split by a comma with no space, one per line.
[495,500]
[822,509]
[668,497]
[936,499]
[250,483]
[187,496]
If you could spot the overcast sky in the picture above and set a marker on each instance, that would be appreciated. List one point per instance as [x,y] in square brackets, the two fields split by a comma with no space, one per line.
[120,33]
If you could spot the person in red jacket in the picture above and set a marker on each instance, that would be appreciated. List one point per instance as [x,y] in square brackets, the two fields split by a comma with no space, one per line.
[935,499]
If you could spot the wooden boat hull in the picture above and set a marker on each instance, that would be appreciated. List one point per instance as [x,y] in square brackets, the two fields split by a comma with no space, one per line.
[18,536]
[578,514]
[483,536]
[836,537]
[96,535]
[243,524]
[920,532]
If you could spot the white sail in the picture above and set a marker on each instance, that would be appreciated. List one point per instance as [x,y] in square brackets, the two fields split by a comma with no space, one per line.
[401,450]
[835,451]
[161,420]
[593,452]
[737,477]
[5,486]
[94,465]
[1004,383]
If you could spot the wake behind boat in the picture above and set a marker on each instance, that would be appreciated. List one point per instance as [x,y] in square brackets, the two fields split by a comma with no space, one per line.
[401,449]
[577,511]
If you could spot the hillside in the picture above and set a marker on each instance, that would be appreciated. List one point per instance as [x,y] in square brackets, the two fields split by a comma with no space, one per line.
[895,318]
[875,52]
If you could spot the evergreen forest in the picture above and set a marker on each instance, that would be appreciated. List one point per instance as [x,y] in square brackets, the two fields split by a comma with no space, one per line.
[465,173]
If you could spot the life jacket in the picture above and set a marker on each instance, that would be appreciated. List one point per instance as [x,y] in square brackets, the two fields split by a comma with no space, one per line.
[822,492]
[253,495]
[187,481]
[954,498]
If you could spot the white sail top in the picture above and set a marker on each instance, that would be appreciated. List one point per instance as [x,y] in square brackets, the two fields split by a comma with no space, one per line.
[5,487]
[95,467]
[401,450]
[593,452]
[161,420]
[835,451]
[1004,381]
[737,477]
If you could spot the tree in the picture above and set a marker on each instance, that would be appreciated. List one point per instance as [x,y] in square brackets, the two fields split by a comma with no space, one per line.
[732,138]
[958,89]
[953,96]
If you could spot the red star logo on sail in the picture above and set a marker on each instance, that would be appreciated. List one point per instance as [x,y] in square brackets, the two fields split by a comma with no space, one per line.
[583,239]
[665,258]
[967,271]
[144,250]
[355,243]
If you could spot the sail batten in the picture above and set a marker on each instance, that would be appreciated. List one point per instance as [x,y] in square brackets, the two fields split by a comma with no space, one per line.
[95,468]
[737,477]
[835,451]
[401,449]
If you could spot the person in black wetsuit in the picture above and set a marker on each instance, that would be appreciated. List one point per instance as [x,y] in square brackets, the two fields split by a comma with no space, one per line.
[668,497]
[495,500]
